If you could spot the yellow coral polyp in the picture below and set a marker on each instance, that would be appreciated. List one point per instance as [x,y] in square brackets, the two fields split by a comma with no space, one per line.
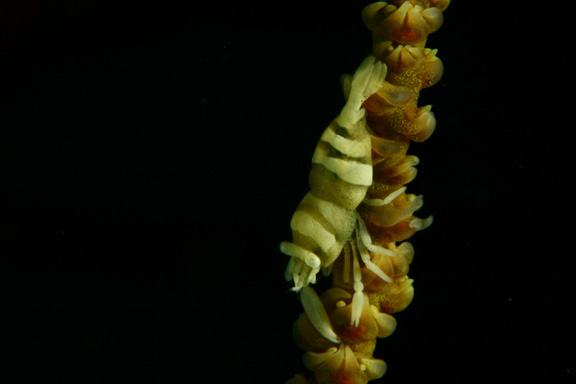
[405,25]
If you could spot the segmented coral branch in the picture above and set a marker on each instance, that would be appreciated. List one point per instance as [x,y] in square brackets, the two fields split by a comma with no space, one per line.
[353,222]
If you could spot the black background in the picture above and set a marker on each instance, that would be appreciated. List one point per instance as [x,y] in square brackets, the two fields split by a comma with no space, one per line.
[152,155]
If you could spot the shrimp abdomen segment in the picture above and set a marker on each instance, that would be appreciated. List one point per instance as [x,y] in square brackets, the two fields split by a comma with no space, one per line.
[322,227]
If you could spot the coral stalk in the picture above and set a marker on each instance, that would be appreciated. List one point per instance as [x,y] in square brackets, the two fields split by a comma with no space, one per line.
[353,223]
